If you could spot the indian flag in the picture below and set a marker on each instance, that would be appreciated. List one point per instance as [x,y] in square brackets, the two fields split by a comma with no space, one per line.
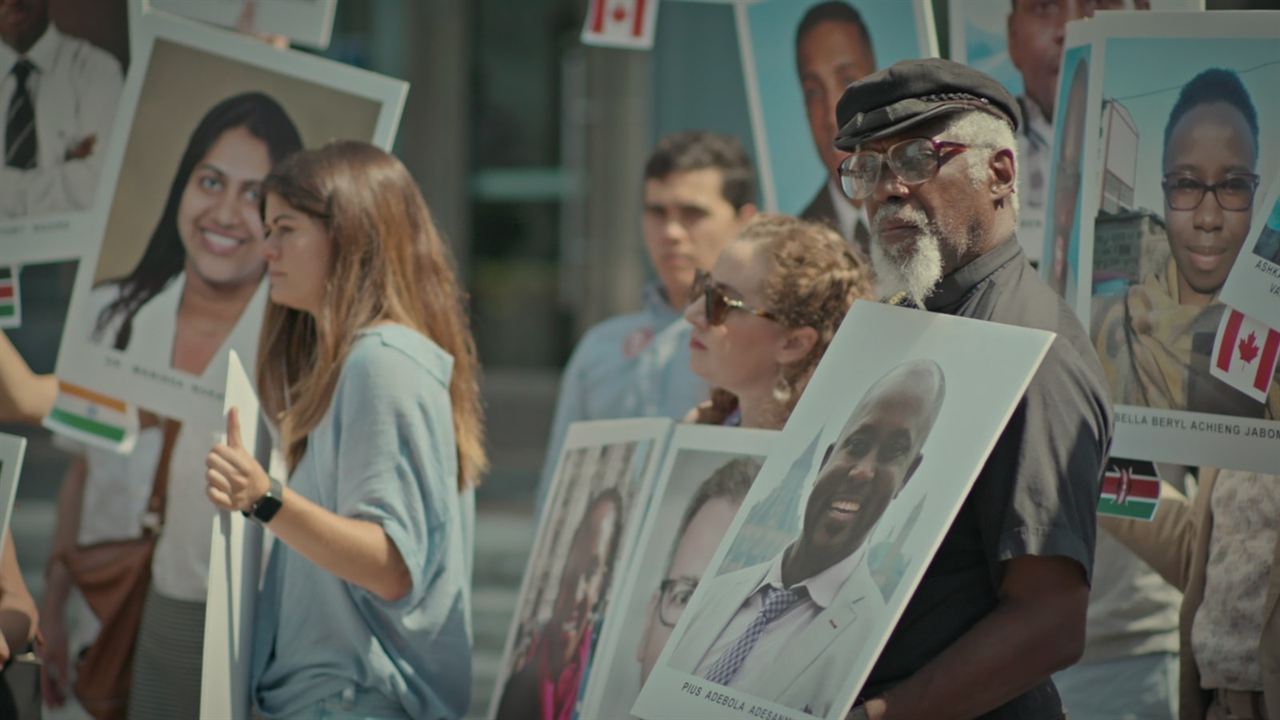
[10,310]
[93,418]
[1130,489]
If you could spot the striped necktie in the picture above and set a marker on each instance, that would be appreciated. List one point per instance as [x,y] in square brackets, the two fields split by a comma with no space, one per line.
[776,602]
[20,124]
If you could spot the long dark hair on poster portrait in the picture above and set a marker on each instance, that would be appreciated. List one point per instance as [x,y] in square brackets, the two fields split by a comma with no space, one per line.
[165,256]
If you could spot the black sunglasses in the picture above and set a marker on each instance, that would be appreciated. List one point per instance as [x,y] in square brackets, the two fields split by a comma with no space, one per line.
[718,304]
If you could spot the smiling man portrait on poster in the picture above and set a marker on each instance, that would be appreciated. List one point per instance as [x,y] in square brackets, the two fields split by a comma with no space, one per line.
[787,629]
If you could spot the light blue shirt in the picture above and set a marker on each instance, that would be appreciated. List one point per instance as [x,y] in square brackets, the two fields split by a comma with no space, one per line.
[627,366]
[384,452]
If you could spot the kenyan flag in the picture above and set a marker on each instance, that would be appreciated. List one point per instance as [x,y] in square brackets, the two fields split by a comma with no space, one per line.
[10,311]
[1130,489]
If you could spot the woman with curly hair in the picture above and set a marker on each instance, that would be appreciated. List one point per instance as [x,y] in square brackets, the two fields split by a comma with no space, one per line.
[765,314]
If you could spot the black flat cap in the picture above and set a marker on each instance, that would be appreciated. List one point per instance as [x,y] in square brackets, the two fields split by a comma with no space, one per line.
[913,91]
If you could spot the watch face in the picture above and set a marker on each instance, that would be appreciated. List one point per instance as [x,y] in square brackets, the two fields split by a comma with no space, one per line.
[268,505]
[266,508]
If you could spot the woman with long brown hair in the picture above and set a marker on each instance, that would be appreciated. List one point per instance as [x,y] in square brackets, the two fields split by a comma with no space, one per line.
[765,314]
[368,369]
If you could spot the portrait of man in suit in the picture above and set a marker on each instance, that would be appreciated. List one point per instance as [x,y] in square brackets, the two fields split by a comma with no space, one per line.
[788,630]
[833,49]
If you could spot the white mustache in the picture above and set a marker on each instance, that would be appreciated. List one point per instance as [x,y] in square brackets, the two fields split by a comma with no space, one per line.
[886,214]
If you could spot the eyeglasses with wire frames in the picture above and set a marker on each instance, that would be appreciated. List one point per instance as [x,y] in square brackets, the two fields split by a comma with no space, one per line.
[718,303]
[914,161]
[1234,192]
[673,596]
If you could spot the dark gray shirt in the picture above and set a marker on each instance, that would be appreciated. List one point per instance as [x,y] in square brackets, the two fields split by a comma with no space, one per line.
[1037,493]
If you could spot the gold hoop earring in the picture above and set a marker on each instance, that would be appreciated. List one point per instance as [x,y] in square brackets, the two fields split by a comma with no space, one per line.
[783,389]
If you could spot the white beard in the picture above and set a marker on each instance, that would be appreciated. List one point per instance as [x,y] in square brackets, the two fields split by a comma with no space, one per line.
[914,268]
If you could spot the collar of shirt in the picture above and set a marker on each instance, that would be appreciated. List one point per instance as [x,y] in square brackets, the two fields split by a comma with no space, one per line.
[1034,126]
[41,54]
[658,307]
[847,214]
[821,588]
[955,286]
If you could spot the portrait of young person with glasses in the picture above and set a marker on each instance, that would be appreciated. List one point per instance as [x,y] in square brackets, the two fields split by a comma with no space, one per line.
[1155,340]
[765,314]
[703,525]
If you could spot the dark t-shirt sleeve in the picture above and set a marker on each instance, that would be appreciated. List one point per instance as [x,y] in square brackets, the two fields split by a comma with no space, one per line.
[1038,494]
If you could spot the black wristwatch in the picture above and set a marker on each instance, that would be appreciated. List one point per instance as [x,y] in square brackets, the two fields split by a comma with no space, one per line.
[266,507]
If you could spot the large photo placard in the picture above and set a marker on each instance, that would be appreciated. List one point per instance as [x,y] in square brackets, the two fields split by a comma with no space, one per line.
[797,59]
[1020,43]
[597,501]
[851,503]
[1183,165]
[704,479]
[206,116]
[62,69]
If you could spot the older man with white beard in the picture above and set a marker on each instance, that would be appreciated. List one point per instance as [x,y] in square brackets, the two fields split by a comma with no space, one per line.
[1002,604]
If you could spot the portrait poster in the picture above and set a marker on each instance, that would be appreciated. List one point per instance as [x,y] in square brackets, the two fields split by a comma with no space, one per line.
[54,173]
[1060,237]
[237,559]
[1020,43]
[306,22]
[921,392]
[206,116]
[797,58]
[1171,199]
[1253,287]
[598,498]
[12,448]
[704,478]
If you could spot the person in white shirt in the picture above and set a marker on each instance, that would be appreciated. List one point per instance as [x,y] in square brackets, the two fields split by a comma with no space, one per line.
[59,97]
[789,629]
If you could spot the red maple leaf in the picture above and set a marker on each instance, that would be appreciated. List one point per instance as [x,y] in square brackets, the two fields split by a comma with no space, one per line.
[619,13]
[1249,348]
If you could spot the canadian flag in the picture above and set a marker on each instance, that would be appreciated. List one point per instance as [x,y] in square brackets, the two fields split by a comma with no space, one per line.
[1245,353]
[620,23]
